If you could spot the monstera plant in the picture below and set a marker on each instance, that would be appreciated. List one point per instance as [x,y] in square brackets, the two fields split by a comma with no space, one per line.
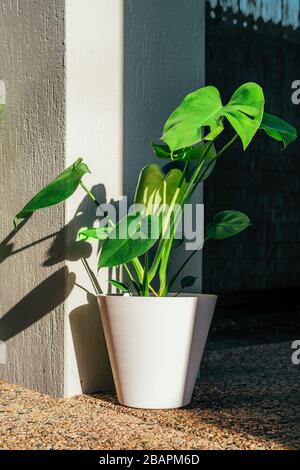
[190,137]
[143,241]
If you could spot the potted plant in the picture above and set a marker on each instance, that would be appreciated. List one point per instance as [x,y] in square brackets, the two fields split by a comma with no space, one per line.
[156,337]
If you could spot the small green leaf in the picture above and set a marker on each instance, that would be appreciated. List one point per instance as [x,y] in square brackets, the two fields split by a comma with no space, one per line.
[57,191]
[130,238]
[203,108]
[278,129]
[137,286]
[196,154]
[154,188]
[122,286]
[164,151]
[227,224]
[161,150]
[186,154]
[97,233]
[187,281]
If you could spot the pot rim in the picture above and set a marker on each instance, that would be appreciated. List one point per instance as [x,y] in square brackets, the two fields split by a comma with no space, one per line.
[169,297]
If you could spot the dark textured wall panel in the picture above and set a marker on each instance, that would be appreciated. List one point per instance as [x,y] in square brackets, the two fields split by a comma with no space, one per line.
[264,182]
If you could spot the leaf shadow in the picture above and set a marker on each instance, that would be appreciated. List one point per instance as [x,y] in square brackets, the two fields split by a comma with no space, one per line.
[44,298]
[90,347]
[65,246]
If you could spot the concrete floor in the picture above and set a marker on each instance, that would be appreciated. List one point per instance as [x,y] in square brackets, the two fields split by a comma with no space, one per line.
[246,398]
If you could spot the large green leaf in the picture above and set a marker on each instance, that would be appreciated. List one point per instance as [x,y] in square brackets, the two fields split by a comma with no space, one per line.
[278,129]
[57,191]
[200,108]
[203,108]
[227,224]
[131,237]
[154,188]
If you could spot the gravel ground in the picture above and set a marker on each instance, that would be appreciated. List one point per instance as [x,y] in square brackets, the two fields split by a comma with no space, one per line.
[247,398]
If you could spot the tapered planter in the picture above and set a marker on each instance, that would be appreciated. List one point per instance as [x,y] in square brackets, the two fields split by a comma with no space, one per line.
[155,346]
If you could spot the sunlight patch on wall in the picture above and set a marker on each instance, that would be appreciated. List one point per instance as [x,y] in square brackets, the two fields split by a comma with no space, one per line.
[286,12]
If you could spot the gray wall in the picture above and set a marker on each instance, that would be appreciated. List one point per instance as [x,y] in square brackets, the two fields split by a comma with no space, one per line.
[164,60]
[31,153]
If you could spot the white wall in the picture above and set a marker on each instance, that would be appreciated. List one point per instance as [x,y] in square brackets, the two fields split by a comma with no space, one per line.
[94,130]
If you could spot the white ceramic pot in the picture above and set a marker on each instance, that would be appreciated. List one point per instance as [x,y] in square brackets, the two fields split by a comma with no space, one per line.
[155,346]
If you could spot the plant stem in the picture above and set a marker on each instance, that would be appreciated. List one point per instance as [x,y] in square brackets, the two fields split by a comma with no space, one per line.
[165,257]
[153,291]
[132,279]
[136,266]
[163,241]
[135,263]
[201,176]
[170,284]
[195,180]
[145,284]
[197,171]
[193,183]
[128,272]
[92,277]
[89,193]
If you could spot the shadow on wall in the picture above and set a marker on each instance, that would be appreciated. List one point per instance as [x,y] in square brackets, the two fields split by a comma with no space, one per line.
[38,302]
[64,245]
[86,327]
[90,347]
